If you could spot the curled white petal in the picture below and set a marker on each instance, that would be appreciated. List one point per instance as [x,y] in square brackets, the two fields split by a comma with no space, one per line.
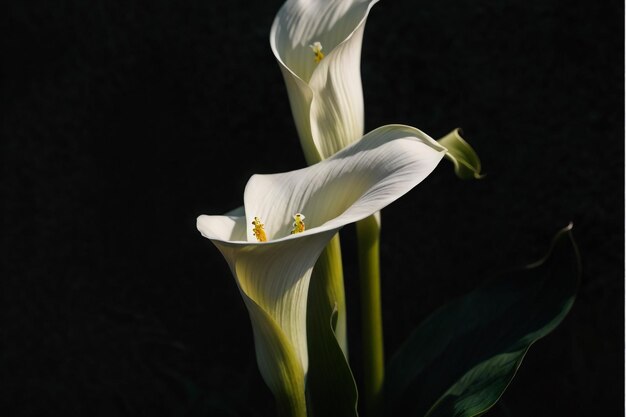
[273,276]
[349,186]
[326,97]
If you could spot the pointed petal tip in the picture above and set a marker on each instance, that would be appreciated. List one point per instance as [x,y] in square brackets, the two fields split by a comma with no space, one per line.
[201,222]
[224,228]
[466,162]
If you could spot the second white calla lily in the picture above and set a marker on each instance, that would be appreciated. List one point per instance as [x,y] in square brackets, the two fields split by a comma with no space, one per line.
[317,44]
[273,275]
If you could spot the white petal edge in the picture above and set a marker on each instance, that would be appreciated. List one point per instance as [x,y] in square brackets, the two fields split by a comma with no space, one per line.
[337,109]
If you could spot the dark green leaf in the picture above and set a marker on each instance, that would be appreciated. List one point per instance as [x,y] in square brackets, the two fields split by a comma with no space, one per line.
[459,361]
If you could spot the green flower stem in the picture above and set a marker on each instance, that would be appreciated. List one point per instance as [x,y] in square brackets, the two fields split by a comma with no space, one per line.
[368,234]
[327,284]
[330,386]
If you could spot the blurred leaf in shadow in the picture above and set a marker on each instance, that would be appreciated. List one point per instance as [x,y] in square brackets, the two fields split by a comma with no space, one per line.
[460,360]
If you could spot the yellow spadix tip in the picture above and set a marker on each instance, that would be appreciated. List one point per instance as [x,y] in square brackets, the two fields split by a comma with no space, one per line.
[258,230]
[317,50]
[298,223]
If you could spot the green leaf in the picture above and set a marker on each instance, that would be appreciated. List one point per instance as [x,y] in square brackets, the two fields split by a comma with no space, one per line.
[462,155]
[331,388]
[459,361]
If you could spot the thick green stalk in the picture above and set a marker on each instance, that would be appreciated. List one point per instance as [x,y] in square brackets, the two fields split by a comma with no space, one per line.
[327,287]
[331,389]
[368,234]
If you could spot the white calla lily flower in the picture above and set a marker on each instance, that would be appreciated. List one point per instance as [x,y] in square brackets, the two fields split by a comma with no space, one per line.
[317,44]
[273,268]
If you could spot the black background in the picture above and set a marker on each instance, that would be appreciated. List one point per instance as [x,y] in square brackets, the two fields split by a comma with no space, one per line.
[124,122]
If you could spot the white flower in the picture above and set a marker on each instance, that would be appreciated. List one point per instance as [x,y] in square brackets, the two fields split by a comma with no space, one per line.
[273,275]
[324,88]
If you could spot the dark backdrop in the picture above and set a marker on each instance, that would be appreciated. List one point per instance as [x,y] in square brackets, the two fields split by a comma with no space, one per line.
[123,122]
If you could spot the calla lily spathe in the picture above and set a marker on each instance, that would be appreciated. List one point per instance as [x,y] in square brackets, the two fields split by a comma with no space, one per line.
[273,276]
[317,44]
